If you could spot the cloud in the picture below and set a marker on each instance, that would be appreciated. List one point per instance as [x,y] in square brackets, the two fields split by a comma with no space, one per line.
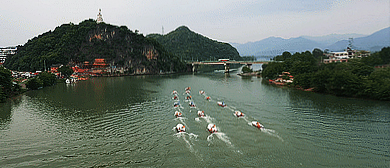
[224,20]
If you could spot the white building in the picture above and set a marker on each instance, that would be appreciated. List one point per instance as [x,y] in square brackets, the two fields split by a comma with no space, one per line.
[339,55]
[343,56]
[4,52]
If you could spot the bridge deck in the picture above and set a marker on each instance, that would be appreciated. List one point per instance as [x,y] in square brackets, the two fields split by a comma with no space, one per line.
[229,62]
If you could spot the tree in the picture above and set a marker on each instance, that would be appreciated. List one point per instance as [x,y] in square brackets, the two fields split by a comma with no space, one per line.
[34,83]
[5,81]
[344,83]
[300,67]
[65,71]
[384,54]
[2,95]
[273,69]
[246,69]
[303,80]
[317,53]
[359,68]
[47,79]
[320,80]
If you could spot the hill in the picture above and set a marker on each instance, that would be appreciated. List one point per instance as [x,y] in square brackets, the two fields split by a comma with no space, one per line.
[87,41]
[332,38]
[189,45]
[275,45]
[373,42]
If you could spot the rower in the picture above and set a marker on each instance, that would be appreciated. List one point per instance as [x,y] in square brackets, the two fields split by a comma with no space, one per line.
[257,124]
[238,114]
[211,128]
[200,113]
[176,104]
[180,128]
[177,114]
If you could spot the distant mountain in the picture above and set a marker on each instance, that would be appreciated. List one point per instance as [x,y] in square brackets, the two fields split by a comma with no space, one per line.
[332,38]
[189,45]
[276,46]
[273,46]
[373,42]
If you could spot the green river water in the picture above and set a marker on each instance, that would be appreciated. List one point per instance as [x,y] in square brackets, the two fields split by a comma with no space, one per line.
[129,121]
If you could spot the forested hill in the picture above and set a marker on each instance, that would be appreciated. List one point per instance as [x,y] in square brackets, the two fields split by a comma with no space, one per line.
[87,41]
[189,45]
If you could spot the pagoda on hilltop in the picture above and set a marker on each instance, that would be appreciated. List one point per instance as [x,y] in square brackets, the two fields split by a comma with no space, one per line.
[99,17]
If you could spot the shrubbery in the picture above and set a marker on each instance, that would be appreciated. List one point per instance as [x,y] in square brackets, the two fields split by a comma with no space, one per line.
[7,88]
[356,78]
[246,69]
[42,80]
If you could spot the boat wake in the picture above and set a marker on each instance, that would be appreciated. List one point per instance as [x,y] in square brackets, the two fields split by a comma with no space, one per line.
[222,136]
[272,133]
[208,119]
[246,120]
[269,132]
[181,119]
[189,144]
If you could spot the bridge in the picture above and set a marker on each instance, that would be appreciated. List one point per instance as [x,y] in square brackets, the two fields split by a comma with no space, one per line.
[225,63]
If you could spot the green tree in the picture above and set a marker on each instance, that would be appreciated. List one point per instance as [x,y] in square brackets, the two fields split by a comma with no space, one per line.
[300,67]
[359,68]
[273,69]
[320,80]
[344,83]
[317,53]
[2,95]
[47,79]
[303,80]
[34,83]
[65,71]
[5,81]
[384,54]
[246,69]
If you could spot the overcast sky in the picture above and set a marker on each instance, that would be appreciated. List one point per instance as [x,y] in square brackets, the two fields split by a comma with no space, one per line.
[237,21]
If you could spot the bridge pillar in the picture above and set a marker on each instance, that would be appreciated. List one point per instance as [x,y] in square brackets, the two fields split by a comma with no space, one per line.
[226,67]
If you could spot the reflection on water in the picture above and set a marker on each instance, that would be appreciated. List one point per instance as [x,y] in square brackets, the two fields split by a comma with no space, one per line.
[128,121]
[6,111]
[5,115]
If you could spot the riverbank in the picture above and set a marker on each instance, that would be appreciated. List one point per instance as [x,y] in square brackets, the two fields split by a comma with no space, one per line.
[249,74]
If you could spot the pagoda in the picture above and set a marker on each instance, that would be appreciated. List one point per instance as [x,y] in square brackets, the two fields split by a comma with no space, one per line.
[99,17]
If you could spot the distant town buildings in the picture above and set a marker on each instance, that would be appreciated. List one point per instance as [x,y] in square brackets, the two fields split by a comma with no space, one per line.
[345,55]
[99,17]
[5,52]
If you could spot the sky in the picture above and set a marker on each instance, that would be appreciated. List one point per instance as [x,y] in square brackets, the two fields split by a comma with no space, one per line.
[235,21]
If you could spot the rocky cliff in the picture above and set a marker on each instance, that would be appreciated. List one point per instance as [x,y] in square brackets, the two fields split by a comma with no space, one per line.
[87,41]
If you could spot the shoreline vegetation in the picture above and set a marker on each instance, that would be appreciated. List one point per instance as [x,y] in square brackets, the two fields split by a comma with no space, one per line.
[12,87]
[366,77]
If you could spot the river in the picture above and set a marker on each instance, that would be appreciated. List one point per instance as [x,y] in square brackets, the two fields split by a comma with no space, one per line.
[129,122]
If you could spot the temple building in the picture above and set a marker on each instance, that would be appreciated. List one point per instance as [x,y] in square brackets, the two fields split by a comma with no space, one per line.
[99,17]
[99,63]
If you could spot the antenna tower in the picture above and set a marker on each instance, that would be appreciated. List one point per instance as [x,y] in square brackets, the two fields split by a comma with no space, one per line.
[350,43]
[162,30]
